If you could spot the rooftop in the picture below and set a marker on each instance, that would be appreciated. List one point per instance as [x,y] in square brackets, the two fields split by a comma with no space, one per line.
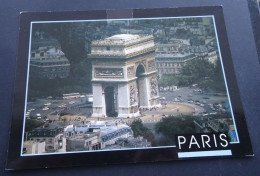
[122,39]
[171,57]
[45,132]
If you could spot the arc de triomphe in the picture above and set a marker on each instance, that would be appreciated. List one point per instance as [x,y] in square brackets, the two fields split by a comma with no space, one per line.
[124,78]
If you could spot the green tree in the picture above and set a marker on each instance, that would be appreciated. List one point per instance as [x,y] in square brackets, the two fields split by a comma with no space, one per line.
[30,124]
[172,125]
[195,40]
[218,78]
[140,130]
[168,80]
[198,69]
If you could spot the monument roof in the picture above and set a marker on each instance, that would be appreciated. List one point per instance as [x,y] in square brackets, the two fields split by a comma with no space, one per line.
[125,37]
[122,39]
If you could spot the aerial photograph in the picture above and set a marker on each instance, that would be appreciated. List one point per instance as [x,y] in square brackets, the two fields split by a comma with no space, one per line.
[123,84]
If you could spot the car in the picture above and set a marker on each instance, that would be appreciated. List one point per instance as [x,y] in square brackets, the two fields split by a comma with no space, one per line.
[29,110]
[206,98]
[190,95]
[62,105]
[47,104]
[72,102]
[46,108]
[49,97]
[175,100]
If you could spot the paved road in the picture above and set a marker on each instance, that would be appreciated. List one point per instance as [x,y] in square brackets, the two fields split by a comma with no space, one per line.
[189,94]
[73,106]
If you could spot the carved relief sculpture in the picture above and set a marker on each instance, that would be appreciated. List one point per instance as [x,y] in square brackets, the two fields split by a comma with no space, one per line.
[154,87]
[109,72]
[151,65]
[130,71]
[132,95]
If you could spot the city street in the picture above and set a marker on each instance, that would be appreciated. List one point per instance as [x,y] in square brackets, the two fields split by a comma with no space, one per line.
[183,101]
[51,109]
[193,96]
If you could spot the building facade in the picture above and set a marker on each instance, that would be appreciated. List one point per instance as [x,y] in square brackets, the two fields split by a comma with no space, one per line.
[172,63]
[50,63]
[31,147]
[84,142]
[123,70]
[52,136]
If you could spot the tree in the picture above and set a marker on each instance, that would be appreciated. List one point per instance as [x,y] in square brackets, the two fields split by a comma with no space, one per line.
[30,124]
[140,130]
[218,79]
[196,41]
[168,80]
[198,69]
[203,73]
[172,125]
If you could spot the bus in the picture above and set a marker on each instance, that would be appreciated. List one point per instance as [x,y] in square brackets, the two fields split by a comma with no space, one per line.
[71,96]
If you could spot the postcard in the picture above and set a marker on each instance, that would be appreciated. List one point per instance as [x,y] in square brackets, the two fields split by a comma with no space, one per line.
[155,86]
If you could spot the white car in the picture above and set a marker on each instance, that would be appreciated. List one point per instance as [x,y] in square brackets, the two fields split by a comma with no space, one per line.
[176,100]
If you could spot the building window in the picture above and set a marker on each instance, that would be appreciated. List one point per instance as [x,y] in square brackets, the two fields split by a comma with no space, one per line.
[108,48]
[42,54]
[33,55]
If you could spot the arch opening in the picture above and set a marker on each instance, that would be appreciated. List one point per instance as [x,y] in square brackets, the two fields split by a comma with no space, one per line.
[110,101]
[140,85]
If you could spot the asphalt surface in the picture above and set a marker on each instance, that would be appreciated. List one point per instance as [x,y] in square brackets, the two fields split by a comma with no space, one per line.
[53,108]
[191,96]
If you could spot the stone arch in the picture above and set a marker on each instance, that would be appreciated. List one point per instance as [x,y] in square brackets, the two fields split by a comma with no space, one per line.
[140,69]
